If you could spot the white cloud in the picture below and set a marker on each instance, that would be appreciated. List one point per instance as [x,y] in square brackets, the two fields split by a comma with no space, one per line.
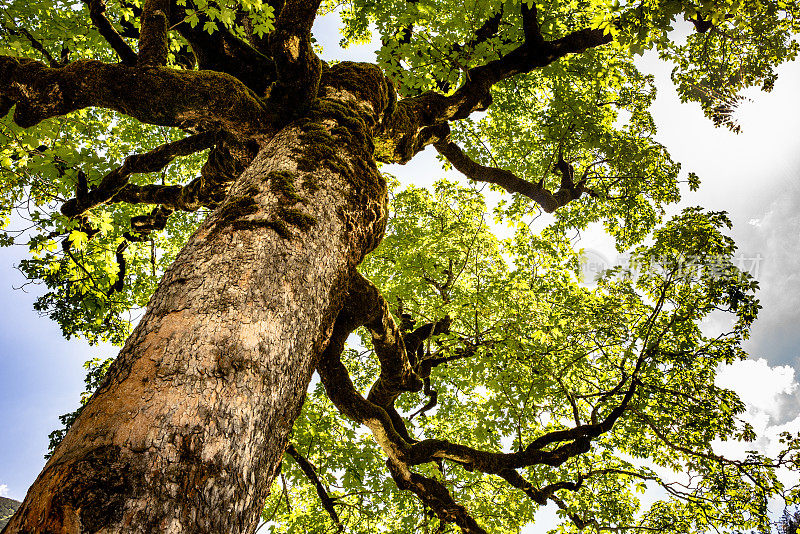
[760,386]
[3,490]
[771,395]
[772,238]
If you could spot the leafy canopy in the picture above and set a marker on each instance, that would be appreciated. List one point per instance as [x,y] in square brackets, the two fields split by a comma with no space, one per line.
[523,347]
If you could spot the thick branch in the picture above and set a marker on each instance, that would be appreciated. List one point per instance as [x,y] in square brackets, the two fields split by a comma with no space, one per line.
[97,12]
[474,95]
[153,161]
[185,99]
[311,473]
[402,455]
[226,161]
[298,67]
[509,181]
[153,221]
[575,441]
[530,25]
[153,33]
[342,392]
[222,51]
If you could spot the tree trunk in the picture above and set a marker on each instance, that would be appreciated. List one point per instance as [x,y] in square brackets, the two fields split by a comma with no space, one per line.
[189,428]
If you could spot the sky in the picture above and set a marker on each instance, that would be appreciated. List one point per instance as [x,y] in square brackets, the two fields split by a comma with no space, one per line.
[752,175]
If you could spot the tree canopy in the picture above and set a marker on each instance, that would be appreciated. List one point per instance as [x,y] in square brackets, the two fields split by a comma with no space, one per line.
[494,379]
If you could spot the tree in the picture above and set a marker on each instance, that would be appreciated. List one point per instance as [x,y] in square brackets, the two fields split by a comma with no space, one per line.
[789,522]
[533,384]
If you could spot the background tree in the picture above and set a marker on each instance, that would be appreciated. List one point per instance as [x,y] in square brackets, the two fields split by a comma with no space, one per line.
[789,522]
[533,385]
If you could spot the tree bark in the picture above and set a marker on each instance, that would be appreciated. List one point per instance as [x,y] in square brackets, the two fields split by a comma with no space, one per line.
[189,428]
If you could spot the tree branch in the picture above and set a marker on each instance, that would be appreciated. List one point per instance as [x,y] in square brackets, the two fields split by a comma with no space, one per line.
[153,33]
[431,109]
[474,95]
[298,68]
[173,197]
[366,307]
[537,495]
[488,29]
[509,181]
[114,182]
[154,221]
[402,455]
[97,10]
[576,441]
[341,391]
[397,375]
[35,44]
[311,473]
[435,495]
[119,256]
[530,26]
[185,99]
[575,518]
[226,161]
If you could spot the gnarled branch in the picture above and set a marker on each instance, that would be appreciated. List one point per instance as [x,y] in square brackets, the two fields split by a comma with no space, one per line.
[226,160]
[114,182]
[341,391]
[403,455]
[198,100]
[509,181]
[397,374]
[153,221]
[474,94]
[435,495]
[188,197]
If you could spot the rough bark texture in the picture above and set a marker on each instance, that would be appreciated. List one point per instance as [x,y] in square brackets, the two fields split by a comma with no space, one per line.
[227,345]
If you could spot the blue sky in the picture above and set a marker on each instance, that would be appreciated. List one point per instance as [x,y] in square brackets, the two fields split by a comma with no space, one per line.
[41,377]
[753,175]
